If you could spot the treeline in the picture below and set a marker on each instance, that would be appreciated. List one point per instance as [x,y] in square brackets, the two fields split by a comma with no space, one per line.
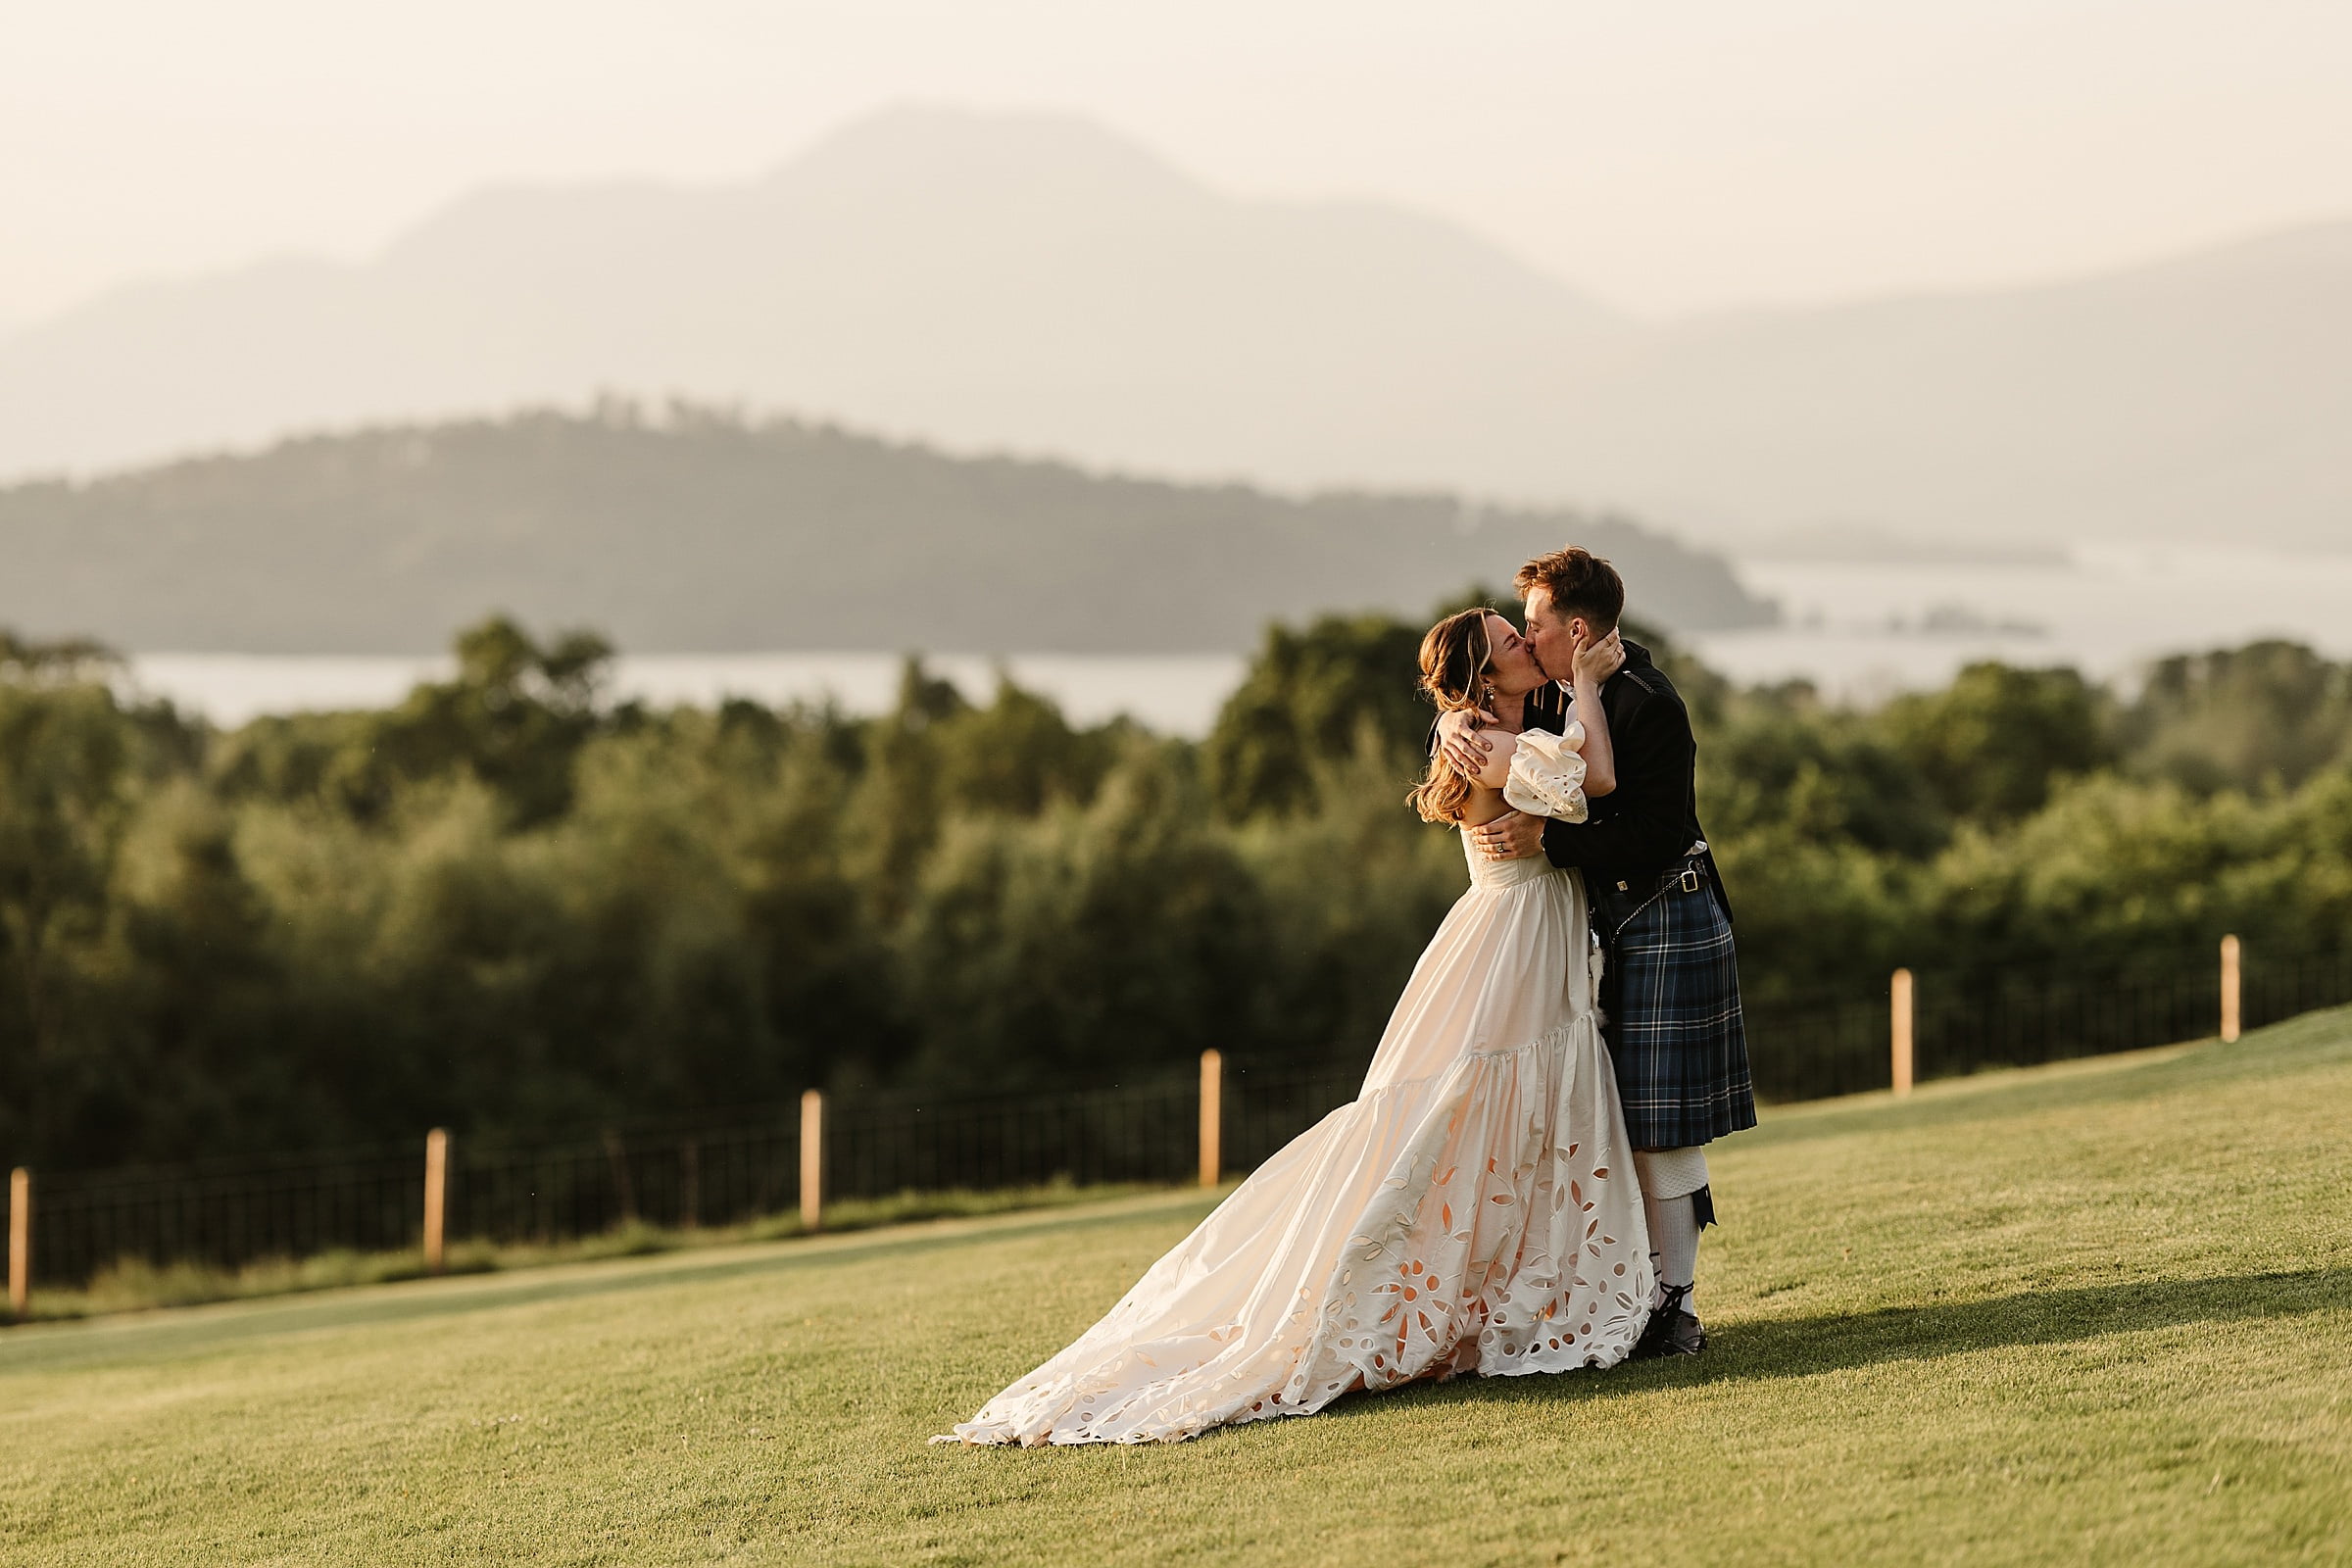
[509,904]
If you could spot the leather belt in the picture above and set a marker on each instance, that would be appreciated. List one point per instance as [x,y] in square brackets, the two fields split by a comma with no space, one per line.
[1689,879]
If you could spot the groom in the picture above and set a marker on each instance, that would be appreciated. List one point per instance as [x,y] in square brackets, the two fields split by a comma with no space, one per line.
[1672,990]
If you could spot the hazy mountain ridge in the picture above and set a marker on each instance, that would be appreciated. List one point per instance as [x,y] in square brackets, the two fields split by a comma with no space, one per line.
[695,531]
[1034,282]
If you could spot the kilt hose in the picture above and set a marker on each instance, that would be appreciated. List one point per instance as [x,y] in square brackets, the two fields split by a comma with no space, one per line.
[1671,998]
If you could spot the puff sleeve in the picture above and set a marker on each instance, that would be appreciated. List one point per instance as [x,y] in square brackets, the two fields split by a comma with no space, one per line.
[1547,774]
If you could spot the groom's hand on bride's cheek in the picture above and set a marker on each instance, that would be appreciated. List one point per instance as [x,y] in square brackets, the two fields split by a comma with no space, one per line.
[1512,836]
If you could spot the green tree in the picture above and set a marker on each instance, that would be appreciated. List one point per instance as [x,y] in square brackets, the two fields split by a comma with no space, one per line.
[1353,885]
[1306,696]
[187,988]
[1019,753]
[1993,743]
[2268,715]
[514,717]
[1085,944]
[66,779]
[1779,760]
[893,821]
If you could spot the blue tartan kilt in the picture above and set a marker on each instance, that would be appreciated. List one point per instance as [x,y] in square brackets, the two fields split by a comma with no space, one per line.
[1674,1027]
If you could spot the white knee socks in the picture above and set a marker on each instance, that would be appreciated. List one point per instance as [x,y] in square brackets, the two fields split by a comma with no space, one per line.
[1674,1233]
[1670,1180]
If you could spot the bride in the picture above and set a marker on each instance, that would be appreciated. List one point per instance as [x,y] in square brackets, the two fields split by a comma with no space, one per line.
[1474,1209]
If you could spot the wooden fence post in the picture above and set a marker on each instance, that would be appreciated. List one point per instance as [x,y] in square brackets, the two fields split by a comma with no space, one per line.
[1212,1117]
[436,1197]
[812,1159]
[2232,979]
[617,1156]
[1900,1000]
[19,1240]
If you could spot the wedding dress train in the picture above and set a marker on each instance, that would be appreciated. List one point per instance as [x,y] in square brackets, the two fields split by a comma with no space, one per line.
[1474,1209]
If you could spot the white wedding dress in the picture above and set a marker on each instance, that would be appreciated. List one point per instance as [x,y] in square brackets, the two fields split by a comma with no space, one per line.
[1473,1209]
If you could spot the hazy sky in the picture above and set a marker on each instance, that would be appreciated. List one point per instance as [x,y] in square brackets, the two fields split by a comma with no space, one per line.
[1666,157]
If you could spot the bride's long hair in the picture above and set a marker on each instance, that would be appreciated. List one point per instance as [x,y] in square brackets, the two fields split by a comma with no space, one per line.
[1453,670]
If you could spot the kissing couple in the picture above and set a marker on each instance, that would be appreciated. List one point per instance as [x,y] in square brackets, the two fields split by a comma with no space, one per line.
[1510,1193]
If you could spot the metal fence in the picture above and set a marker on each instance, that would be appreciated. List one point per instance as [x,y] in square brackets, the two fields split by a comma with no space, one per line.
[230,1212]
[1812,1046]
[718,1173]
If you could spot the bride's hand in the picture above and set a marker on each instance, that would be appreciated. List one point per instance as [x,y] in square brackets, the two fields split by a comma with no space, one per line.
[1512,836]
[1593,662]
[1465,749]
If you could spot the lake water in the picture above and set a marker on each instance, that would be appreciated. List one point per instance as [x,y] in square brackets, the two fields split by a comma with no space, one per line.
[1861,631]
[1864,631]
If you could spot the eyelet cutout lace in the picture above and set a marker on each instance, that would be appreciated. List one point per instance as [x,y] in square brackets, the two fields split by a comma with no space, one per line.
[1473,1210]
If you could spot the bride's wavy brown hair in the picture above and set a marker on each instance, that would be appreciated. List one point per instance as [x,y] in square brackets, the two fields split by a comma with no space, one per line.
[1453,664]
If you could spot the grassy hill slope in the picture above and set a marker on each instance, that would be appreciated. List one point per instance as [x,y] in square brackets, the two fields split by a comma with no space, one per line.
[2100,1312]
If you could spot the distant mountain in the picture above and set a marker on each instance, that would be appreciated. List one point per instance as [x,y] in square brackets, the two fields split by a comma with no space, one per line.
[1033,283]
[2205,398]
[695,531]
[989,280]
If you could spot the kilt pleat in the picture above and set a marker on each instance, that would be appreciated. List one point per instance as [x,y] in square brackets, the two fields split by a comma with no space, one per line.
[1674,1028]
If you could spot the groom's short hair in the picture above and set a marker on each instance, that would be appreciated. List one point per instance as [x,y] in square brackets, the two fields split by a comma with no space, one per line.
[1580,583]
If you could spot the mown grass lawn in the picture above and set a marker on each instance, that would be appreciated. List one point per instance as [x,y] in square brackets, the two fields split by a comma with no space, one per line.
[2098,1314]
